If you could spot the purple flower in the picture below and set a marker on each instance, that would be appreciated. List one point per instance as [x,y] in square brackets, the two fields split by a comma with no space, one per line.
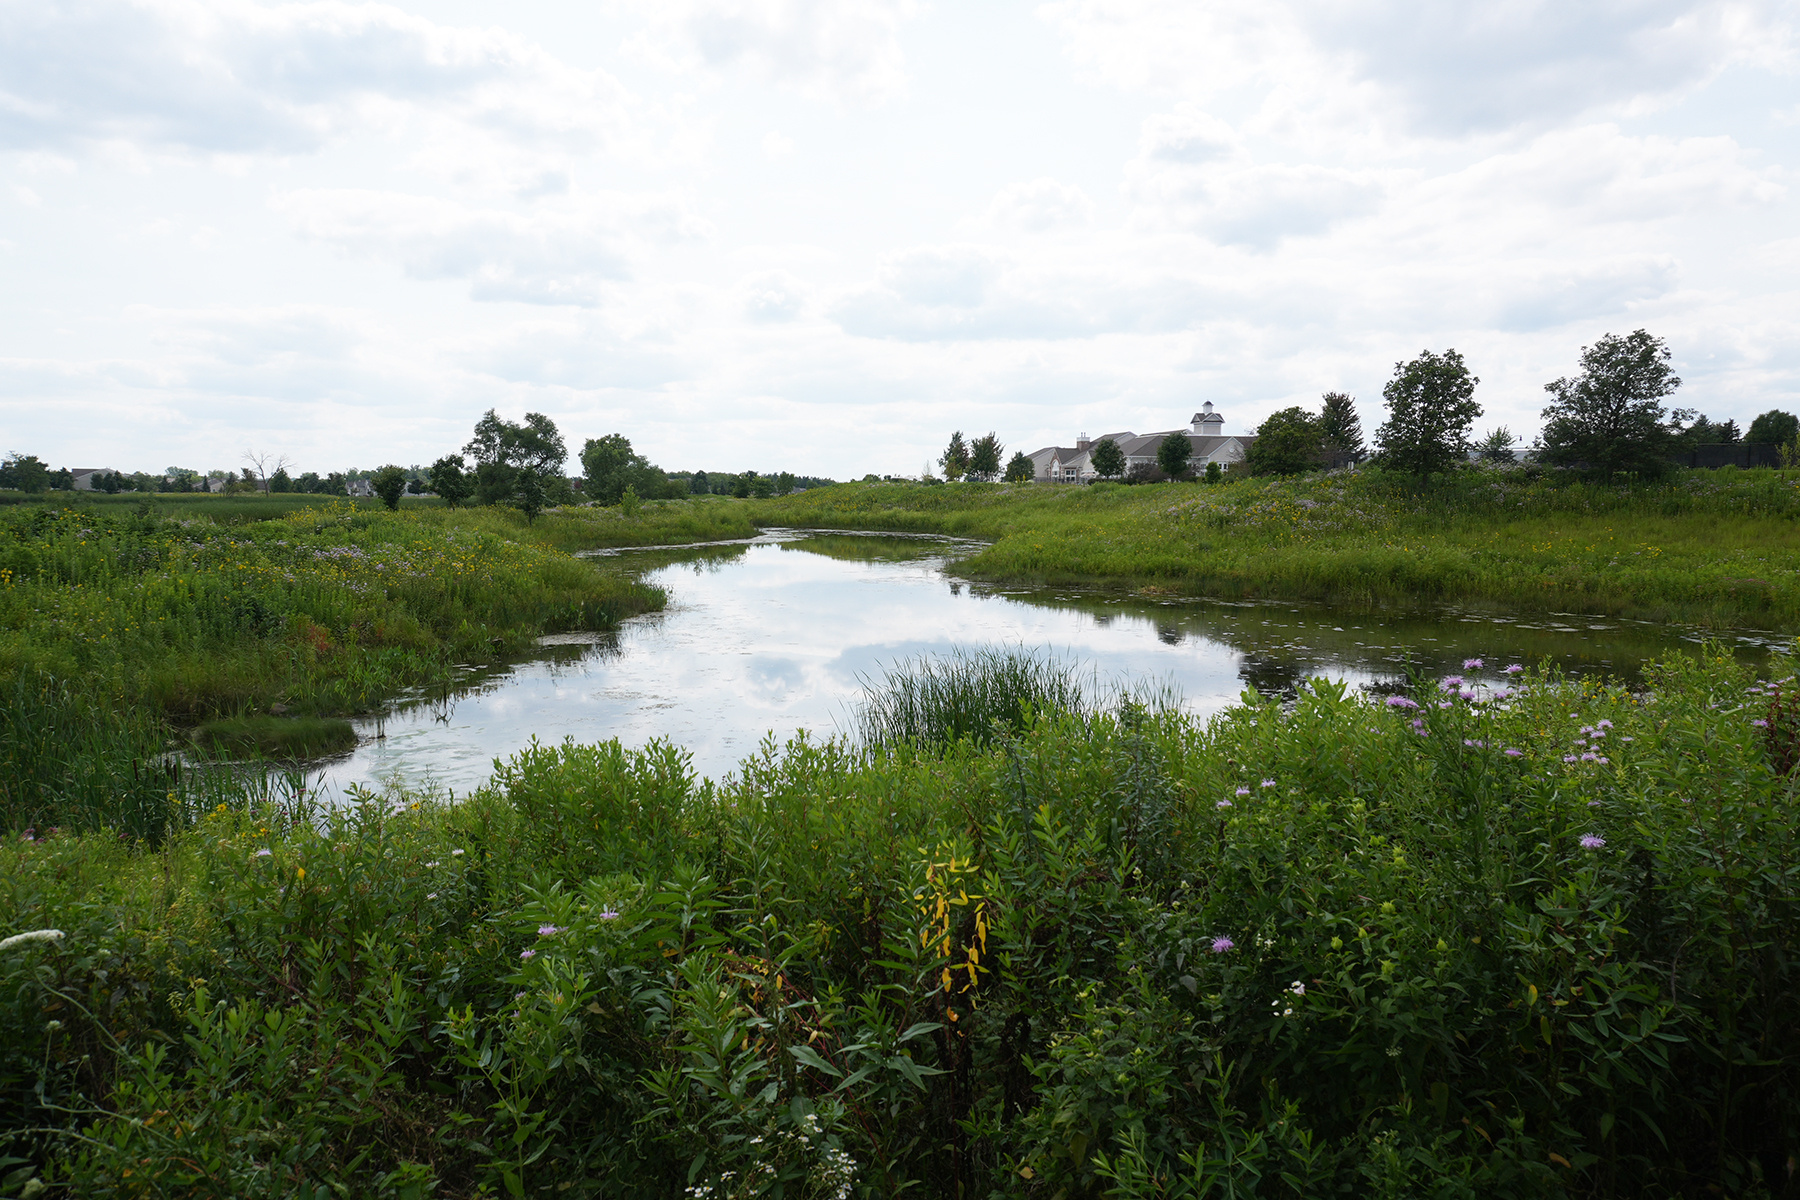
[1222,944]
[1476,744]
[1511,753]
[263,853]
[1268,783]
[1466,694]
[1243,791]
[1401,702]
[1502,693]
[1470,664]
[528,954]
[1418,723]
[1223,804]
[1760,723]
[1590,756]
[1593,804]
[1592,841]
[607,914]
[1602,759]
[550,930]
[1513,669]
[1570,758]
[1586,729]
[1604,724]
[1451,682]
[1443,704]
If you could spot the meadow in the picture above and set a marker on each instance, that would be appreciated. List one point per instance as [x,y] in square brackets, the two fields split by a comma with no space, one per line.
[1539,941]
[1716,548]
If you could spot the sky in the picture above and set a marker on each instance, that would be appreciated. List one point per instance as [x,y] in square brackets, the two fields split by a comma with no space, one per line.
[819,235]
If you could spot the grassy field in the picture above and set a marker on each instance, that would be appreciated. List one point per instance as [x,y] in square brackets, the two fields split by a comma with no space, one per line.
[1537,944]
[1717,548]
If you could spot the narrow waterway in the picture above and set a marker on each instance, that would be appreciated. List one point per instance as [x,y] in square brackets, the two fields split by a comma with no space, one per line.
[775,635]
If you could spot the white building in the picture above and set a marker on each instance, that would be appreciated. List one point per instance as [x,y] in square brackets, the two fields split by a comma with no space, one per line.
[1206,436]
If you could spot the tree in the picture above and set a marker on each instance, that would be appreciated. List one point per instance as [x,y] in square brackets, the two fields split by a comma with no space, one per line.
[390,484]
[529,498]
[1773,428]
[984,458]
[1610,418]
[263,465]
[784,483]
[955,459]
[1019,469]
[609,465]
[1341,436]
[25,472]
[1214,472]
[1108,459]
[1498,445]
[449,481]
[504,451]
[1431,408]
[279,481]
[698,485]
[1287,443]
[1705,431]
[1172,454]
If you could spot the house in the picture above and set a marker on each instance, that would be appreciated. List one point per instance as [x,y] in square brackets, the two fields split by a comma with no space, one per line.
[1206,436]
[82,478]
[360,487]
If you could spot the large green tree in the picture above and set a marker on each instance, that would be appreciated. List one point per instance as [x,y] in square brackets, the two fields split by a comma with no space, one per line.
[1108,459]
[389,483]
[25,472]
[503,450]
[1610,418]
[984,458]
[1341,437]
[448,480]
[1287,443]
[1773,428]
[609,465]
[1020,469]
[1431,409]
[955,458]
[1172,454]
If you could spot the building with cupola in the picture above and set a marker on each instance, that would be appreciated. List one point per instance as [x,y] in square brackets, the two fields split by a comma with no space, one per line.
[1205,433]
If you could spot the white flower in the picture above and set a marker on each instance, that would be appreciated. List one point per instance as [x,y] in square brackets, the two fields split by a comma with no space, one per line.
[36,935]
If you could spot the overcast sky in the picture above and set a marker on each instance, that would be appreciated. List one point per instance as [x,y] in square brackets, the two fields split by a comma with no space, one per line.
[818,236]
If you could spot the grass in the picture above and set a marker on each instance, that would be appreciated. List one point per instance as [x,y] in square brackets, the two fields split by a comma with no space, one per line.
[1716,548]
[1538,945]
[977,694]
[271,737]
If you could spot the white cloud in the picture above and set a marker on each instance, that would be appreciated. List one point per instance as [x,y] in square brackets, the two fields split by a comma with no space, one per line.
[237,77]
[840,49]
[1040,206]
[562,254]
[773,297]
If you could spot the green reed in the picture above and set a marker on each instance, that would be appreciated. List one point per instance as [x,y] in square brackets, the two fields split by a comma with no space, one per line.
[977,693]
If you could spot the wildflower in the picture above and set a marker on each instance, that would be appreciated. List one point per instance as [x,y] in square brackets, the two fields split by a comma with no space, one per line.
[1592,841]
[609,914]
[550,930]
[1401,702]
[1298,988]
[1593,804]
[1418,723]
[1471,664]
[1760,723]
[263,853]
[1243,791]
[1223,804]
[1603,723]
[1602,759]
[56,935]
[1570,758]
[1222,944]
[1466,694]
[1451,682]
[1590,756]
[1511,753]
[528,954]
[431,895]
[1511,669]
[456,854]
[430,865]
[1443,704]
[1268,783]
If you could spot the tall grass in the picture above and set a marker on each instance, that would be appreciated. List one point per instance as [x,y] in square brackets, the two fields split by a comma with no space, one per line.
[1538,945]
[978,693]
[1710,547]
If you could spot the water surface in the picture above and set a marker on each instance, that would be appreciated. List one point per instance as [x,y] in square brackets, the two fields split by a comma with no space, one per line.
[774,635]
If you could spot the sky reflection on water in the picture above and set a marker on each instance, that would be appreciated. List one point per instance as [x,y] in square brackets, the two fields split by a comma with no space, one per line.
[774,637]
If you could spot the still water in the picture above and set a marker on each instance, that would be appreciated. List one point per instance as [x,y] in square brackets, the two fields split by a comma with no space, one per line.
[775,635]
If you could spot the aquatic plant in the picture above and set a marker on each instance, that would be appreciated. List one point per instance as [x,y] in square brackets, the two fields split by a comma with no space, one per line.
[974,693]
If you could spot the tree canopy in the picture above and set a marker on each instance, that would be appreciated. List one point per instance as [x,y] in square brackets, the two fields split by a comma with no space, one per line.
[984,458]
[1108,459]
[1340,430]
[1431,408]
[1610,418]
[503,451]
[1773,428]
[1019,469]
[389,483]
[1287,443]
[955,458]
[448,480]
[1172,454]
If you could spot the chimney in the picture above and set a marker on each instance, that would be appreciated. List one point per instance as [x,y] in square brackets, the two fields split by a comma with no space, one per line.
[1081,441]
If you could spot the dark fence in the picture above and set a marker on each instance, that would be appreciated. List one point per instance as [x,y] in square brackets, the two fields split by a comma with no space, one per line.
[1737,454]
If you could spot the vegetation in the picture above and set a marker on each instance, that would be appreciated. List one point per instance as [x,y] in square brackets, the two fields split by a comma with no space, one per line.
[1172,455]
[1774,428]
[984,458]
[1020,469]
[275,737]
[1610,418]
[955,458]
[1431,408]
[1108,459]
[1341,430]
[1289,442]
[1461,943]
[1713,547]
[977,694]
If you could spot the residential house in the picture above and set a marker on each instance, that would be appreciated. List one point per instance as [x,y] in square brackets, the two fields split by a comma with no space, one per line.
[1206,435]
[82,478]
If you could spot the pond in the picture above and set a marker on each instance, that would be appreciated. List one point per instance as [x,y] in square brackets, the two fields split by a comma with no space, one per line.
[774,635]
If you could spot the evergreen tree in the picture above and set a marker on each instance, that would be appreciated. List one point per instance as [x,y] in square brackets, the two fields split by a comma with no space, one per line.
[1610,418]
[1108,459]
[1431,408]
[955,459]
[1341,429]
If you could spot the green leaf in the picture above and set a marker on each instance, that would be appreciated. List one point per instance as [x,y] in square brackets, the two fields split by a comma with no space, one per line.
[810,1057]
